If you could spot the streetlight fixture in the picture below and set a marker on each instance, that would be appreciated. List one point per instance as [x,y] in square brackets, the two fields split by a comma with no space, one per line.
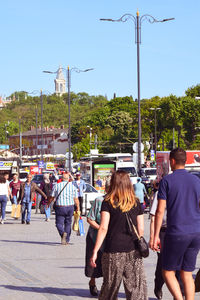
[6,131]
[68,75]
[138,23]
[20,140]
[90,134]
[155,138]
[36,115]
[42,137]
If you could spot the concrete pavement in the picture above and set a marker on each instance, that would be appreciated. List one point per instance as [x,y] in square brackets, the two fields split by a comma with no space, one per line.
[34,265]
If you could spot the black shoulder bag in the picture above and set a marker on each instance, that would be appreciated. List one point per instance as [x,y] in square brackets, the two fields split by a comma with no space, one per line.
[54,205]
[142,245]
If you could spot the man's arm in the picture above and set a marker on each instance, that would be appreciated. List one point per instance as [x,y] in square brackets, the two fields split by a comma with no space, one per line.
[71,177]
[158,223]
[152,226]
[20,192]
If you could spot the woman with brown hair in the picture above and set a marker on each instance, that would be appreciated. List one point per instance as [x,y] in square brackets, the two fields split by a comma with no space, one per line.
[121,259]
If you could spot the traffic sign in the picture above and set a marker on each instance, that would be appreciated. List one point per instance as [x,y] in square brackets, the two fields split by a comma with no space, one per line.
[41,164]
[152,155]
[135,147]
[67,155]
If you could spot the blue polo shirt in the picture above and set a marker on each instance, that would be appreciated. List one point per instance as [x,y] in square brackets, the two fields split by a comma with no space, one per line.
[27,193]
[181,190]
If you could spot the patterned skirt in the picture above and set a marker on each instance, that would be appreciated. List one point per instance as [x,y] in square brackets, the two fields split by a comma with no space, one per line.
[127,267]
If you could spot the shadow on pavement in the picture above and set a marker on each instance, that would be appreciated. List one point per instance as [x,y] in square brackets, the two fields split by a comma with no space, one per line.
[32,242]
[84,293]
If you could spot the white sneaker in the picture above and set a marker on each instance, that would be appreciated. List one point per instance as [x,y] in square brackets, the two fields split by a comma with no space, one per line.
[2,222]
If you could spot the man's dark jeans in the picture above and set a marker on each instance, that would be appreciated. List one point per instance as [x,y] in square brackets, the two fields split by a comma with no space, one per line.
[64,216]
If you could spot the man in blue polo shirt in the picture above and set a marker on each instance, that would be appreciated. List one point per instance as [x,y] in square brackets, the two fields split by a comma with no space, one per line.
[180,193]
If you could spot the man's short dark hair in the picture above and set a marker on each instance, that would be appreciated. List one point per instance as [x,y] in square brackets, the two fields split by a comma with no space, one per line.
[179,155]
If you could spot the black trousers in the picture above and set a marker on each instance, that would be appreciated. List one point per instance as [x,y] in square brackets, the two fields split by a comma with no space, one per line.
[159,281]
[80,204]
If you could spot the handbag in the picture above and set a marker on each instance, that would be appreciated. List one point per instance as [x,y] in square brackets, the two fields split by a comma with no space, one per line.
[54,204]
[141,243]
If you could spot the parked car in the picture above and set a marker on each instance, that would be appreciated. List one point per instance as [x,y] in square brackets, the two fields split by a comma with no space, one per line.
[89,196]
[23,175]
[148,175]
[38,178]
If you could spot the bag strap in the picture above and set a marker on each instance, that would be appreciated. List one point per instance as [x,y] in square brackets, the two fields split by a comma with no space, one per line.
[131,225]
[62,190]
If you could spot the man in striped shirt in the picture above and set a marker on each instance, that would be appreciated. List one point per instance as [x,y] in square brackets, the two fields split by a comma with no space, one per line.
[67,196]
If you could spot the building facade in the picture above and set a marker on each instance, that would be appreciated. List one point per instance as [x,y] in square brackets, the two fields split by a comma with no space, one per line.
[55,141]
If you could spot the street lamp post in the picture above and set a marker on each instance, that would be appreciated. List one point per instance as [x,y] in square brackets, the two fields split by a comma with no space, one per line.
[36,128]
[6,131]
[42,138]
[36,118]
[20,140]
[68,71]
[155,138]
[90,135]
[138,22]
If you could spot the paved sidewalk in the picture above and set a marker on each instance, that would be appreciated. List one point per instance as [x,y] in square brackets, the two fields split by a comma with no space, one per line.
[34,265]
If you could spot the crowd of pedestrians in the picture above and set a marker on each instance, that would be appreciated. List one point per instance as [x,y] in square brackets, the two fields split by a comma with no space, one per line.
[111,249]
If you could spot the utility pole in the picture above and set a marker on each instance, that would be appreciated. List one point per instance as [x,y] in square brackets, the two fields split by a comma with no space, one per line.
[36,125]
[42,141]
[20,140]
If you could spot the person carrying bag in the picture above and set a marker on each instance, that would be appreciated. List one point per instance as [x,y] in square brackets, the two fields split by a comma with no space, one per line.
[66,196]
[121,257]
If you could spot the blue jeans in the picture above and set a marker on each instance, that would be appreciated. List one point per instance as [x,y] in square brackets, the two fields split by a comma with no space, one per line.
[3,202]
[14,200]
[64,219]
[47,211]
[26,206]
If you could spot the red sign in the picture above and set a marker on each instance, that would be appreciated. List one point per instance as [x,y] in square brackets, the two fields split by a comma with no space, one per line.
[162,164]
[34,170]
[193,158]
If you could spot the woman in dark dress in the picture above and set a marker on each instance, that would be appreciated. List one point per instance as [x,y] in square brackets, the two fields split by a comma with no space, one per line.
[46,186]
[94,219]
[121,260]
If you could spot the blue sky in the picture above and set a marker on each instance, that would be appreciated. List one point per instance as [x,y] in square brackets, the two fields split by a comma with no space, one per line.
[40,35]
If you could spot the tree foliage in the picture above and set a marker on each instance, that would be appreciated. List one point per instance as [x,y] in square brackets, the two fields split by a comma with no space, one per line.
[110,125]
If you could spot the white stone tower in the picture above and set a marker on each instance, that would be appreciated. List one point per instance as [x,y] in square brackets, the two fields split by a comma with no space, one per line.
[60,83]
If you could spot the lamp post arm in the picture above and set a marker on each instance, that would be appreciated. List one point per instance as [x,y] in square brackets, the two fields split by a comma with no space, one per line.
[152,20]
[123,18]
